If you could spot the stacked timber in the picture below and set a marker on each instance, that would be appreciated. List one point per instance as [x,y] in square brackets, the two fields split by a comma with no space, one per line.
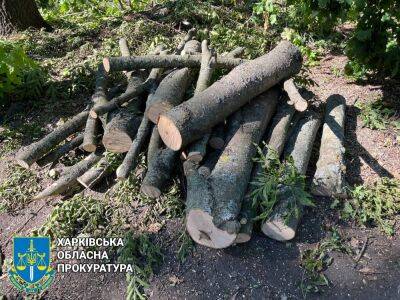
[211,134]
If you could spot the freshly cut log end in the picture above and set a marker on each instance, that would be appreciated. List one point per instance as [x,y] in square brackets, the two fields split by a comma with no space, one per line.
[195,117]
[120,143]
[242,238]
[170,133]
[89,147]
[278,230]
[201,228]
[106,64]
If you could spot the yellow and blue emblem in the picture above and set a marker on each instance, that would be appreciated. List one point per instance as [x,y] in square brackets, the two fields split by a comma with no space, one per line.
[31,271]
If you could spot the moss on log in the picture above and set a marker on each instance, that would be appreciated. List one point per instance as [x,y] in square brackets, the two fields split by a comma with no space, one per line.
[212,215]
[329,178]
[282,225]
[195,117]
[26,156]
[70,177]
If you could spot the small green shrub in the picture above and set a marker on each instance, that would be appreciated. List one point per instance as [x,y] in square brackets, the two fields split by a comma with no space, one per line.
[20,76]
[374,114]
[374,205]
[267,185]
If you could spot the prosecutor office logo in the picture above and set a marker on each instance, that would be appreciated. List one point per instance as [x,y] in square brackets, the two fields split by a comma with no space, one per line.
[31,271]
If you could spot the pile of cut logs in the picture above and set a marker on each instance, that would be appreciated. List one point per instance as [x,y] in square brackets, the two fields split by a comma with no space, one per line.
[213,134]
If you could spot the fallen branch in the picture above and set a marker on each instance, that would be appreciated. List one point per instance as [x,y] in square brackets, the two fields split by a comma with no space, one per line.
[192,119]
[300,104]
[30,154]
[60,151]
[68,179]
[95,174]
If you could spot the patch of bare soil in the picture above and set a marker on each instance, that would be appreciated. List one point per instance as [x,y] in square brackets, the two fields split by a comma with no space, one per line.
[263,268]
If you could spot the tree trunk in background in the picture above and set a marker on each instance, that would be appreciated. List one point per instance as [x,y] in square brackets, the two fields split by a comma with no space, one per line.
[19,15]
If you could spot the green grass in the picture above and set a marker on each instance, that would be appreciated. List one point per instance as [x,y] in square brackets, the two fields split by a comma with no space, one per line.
[376,115]
[17,189]
[375,205]
[186,246]
[315,261]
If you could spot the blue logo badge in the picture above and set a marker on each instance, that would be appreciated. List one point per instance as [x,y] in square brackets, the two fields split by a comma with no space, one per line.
[31,271]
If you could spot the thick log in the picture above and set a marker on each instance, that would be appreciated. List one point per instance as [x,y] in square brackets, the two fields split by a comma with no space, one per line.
[281,225]
[276,138]
[95,174]
[69,178]
[30,154]
[60,151]
[300,104]
[169,93]
[159,172]
[211,217]
[197,150]
[329,178]
[195,117]
[90,136]
[112,64]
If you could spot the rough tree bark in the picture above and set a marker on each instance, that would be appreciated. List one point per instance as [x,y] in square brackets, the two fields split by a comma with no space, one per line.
[276,138]
[60,151]
[280,225]
[329,178]
[112,64]
[192,119]
[30,154]
[19,15]
[213,204]
[95,174]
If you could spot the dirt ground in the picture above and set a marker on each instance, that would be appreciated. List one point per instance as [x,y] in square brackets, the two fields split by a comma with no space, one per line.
[262,268]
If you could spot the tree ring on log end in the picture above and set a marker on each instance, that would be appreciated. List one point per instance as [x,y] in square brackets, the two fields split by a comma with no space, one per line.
[278,230]
[106,64]
[201,228]
[89,147]
[169,133]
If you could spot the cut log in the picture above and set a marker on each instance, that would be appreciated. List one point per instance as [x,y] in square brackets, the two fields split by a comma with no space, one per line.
[281,225]
[60,151]
[113,64]
[120,131]
[197,150]
[30,154]
[300,104]
[169,93]
[217,138]
[211,218]
[276,138]
[159,172]
[124,49]
[95,174]
[90,136]
[154,144]
[209,163]
[190,34]
[70,177]
[195,117]
[329,178]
